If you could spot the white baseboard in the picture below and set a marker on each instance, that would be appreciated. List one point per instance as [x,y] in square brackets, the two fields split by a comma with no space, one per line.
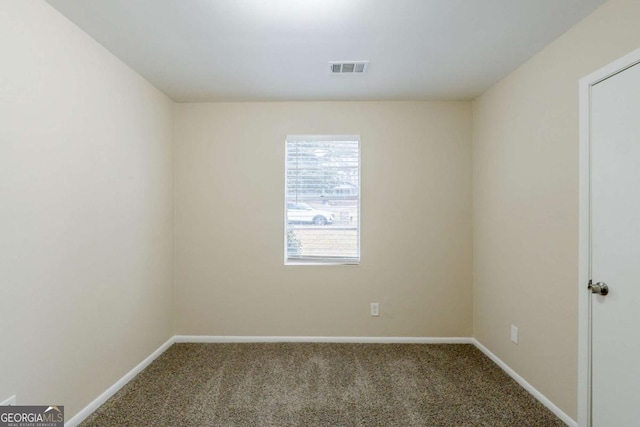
[84,413]
[275,339]
[531,389]
[9,402]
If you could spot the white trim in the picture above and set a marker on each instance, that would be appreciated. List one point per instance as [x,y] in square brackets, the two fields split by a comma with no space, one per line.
[87,410]
[9,402]
[531,389]
[276,339]
[315,137]
[584,262]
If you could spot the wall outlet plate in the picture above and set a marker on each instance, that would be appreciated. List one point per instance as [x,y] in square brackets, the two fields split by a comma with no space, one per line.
[514,334]
[375,309]
[9,402]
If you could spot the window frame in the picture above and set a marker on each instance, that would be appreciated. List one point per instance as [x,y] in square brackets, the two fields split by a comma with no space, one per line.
[323,260]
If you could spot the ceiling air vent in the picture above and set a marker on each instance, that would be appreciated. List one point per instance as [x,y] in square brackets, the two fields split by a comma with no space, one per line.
[348,67]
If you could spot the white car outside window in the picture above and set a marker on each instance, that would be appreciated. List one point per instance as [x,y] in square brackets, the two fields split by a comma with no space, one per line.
[302,212]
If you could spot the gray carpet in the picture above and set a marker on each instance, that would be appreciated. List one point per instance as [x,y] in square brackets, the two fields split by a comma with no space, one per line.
[322,385]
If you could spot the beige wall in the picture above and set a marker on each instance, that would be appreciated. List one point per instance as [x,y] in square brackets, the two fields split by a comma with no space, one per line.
[85,212]
[525,188]
[416,222]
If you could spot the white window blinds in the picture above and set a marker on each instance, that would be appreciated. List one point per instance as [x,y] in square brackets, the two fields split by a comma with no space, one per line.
[322,199]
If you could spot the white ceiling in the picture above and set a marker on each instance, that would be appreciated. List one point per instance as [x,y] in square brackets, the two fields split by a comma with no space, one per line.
[237,50]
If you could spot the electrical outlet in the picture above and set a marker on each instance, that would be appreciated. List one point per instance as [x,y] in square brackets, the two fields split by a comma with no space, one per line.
[514,334]
[375,309]
[9,402]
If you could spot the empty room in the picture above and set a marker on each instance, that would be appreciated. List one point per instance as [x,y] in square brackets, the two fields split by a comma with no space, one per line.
[319,212]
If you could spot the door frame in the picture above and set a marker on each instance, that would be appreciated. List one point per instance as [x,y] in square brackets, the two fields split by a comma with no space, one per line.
[584,255]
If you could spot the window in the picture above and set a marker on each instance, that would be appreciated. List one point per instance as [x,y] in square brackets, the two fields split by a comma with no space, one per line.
[322,206]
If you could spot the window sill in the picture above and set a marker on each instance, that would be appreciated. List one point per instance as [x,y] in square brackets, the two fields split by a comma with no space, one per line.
[294,262]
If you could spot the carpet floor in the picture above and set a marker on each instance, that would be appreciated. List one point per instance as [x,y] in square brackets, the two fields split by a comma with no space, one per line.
[329,385]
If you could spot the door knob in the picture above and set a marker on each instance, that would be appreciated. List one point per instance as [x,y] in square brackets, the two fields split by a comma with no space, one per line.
[599,288]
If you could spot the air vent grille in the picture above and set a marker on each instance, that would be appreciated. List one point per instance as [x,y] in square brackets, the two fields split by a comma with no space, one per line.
[348,67]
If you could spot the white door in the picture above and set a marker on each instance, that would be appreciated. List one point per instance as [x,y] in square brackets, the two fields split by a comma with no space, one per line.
[615,249]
